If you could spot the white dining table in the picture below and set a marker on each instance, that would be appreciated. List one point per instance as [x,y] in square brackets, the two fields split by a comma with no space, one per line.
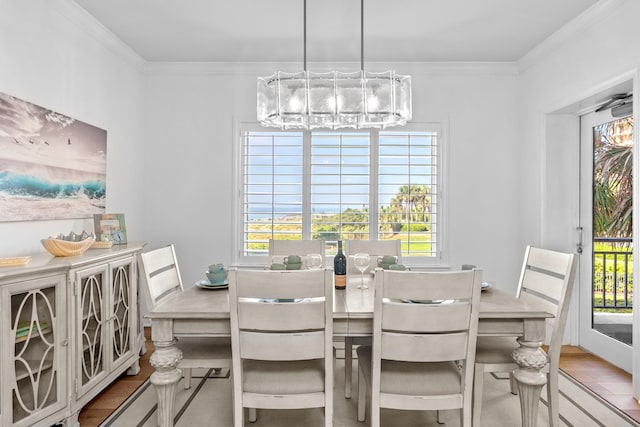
[203,312]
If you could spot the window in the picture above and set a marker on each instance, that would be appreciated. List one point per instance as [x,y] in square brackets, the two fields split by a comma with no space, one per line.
[335,185]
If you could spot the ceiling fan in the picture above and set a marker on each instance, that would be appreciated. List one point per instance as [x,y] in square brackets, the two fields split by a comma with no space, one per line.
[619,103]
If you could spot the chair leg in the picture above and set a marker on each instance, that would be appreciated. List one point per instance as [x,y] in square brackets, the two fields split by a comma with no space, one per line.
[236,399]
[375,412]
[187,378]
[348,363]
[362,395]
[253,415]
[513,384]
[478,383]
[553,399]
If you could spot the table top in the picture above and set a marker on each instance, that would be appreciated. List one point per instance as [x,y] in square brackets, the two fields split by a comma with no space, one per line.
[198,303]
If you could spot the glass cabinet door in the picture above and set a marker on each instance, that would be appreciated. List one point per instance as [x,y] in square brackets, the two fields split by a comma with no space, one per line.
[91,287]
[34,323]
[123,302]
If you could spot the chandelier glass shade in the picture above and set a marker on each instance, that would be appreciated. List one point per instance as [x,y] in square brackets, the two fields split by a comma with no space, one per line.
[334,99]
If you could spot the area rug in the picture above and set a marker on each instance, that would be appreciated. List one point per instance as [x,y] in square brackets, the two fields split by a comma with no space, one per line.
[208,403]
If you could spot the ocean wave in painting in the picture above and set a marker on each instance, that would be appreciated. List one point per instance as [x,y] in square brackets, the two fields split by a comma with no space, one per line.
[26,185]
[30,192]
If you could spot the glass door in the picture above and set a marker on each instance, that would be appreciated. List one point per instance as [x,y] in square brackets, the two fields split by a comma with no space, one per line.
[606,264]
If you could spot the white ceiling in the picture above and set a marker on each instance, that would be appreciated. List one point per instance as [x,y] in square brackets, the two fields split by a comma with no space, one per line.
[394,30]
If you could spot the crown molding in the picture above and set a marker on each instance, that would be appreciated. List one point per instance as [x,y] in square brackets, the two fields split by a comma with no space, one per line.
[590,17]
[266,68]
[96,30]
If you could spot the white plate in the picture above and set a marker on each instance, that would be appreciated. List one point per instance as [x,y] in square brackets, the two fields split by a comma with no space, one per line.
[435,301]
[205,284]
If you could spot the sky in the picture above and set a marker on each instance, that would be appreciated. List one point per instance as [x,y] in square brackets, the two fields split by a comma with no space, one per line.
[33,134]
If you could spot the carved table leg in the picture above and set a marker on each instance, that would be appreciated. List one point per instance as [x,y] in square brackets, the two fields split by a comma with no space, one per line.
[165,378]
[530,379]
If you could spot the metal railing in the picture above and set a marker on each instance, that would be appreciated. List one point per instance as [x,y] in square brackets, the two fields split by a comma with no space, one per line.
[613,274]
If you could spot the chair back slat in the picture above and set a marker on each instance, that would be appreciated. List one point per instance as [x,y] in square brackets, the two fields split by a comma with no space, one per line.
[543,283]
[422,327]
[297,247]
[422,318]
[282,346]
[256,315]
[278,284]
[164,282]
[160,258]
[424,347]
[547,260]
[281,316]
[374,248]
[160,275]
[433,323]
[417,285]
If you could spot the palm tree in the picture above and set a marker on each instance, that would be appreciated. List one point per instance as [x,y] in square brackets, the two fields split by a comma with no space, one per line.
[411,203]
[613,179]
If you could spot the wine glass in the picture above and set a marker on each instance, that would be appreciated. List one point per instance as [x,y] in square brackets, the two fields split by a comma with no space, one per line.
[314,261]
[361,261]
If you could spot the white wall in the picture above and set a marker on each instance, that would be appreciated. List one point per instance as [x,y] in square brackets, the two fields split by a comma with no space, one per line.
[189,169]
[50,57]
[599,49]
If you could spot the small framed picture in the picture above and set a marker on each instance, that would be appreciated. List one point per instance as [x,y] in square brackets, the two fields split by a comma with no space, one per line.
[110,227]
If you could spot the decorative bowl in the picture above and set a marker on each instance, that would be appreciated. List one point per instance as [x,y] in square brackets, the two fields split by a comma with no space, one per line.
[59,247]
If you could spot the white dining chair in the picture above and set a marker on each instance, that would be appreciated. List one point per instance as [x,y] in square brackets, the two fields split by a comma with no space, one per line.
[425,327]
[374,248]
[546,279]
[297,247]
[160,279]
[282,341]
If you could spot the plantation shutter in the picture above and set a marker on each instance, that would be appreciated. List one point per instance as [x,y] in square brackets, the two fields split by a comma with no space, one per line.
[408,190]
[273,175]
[340,187]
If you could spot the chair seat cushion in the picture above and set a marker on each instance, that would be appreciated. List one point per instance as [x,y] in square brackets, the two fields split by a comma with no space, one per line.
[495,349]
[414,378]
[283,377]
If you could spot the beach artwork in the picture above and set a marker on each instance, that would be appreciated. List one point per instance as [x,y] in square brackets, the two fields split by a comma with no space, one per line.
[51,166]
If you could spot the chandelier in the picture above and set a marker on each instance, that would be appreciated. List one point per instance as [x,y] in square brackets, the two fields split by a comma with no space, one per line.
[334,99]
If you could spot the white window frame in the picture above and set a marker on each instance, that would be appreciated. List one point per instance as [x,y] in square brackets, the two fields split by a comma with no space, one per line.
[439,261]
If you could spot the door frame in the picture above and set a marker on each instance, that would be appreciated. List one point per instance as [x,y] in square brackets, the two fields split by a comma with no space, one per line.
[561,129]
[594,341]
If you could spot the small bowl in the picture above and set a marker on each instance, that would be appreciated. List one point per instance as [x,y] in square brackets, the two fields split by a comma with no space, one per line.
[293,259]
[217,277]
[59,247]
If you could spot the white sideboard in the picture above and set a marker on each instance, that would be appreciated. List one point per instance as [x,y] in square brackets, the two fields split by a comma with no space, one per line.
[70,326]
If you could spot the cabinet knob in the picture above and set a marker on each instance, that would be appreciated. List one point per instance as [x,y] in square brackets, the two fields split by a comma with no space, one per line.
[65,343]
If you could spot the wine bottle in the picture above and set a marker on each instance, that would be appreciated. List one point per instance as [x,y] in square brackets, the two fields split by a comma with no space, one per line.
[340,268]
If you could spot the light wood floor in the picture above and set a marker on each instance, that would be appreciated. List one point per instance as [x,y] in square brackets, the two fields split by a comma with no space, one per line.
[611,383]
[104,404]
